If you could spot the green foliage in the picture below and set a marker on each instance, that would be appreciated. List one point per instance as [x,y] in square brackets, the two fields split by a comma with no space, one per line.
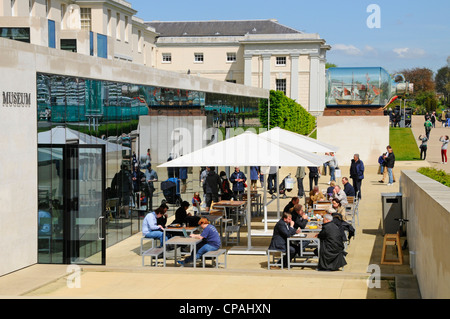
[286,114]
[427,100]
[438,175]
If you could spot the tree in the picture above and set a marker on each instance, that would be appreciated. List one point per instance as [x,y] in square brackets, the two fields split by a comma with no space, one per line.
[443,82]
[421,77]
[330,65]
[286,114]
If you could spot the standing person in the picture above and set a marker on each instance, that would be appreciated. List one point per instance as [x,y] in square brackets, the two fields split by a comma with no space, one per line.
[122,185]
[210,241]
[183,172]
[238,180]
[332,254]
[428,125]
[300,175]
[332,164]
[254,175]
[444,140]
[357,173]
[433,119]
[225,190]
[390,162]
[272,180]
[138,179]
[211,187]
[325,165]
[313,176]
[151,176]
[423,147]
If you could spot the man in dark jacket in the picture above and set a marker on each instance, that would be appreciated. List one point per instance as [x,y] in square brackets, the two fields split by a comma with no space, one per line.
[281,232]
[348,188]
[331,253]
[122,185]
[211,187]
[357,173]
[389,162]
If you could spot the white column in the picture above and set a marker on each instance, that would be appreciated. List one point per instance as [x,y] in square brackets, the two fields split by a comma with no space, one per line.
[266,71]
[248,69]
[322,85]
[294,76]
[314,79]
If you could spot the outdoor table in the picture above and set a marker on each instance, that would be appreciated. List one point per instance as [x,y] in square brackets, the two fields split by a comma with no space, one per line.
[300,238]
[313,223]
[178,240]
[235,205]
[189,230]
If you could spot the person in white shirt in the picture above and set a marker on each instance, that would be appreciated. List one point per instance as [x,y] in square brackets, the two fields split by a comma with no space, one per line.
[340,194]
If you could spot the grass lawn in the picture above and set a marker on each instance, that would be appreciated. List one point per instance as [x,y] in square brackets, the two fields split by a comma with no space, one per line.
[403,143]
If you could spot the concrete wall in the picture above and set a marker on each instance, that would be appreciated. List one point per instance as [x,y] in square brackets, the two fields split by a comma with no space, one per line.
[426,204]
[19,63]
[366,135]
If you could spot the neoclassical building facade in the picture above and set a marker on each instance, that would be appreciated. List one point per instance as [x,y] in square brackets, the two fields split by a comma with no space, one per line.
[258,53]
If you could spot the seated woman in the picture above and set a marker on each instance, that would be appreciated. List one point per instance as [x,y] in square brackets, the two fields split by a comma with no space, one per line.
[337,208]
[315,195]
[210,241]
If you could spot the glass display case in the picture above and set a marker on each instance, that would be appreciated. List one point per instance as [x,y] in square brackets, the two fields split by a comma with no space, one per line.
[359,87]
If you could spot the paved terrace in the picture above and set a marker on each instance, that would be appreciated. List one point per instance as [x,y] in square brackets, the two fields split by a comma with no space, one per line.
[246,276]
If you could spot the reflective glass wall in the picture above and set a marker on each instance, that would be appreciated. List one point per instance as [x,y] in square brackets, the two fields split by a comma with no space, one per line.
[89,111]
[355,87]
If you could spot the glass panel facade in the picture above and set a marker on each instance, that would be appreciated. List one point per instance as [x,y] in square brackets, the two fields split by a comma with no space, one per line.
[355,87]
[106,113]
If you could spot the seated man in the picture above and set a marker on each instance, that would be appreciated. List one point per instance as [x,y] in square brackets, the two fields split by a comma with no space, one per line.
[183,217]
[299,217]
[150,227]
[331,253]
[210,241]
[340,194]
[348,188]
[315,195]
[288,208]
[281,232]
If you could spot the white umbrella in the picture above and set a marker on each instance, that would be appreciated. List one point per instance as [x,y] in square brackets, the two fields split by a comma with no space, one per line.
[296,143]
[246,149]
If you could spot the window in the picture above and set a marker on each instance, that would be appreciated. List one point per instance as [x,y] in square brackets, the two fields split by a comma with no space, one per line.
[51,34]
[126,29]
[198,57]
[69,45]
[167,57]
[31,5]
[281,60]
[85,18]
[109,23]
[48,5]
[281,85]
[118,26]
[102,46]
[13,7]
[91,43]
[230,81]
[18,34]
[231,57]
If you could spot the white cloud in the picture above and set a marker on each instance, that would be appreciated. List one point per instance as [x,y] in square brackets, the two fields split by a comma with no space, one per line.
[347,49]
[409,53]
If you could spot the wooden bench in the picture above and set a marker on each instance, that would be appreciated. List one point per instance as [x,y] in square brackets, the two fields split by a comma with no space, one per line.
[154,254]
[214,255]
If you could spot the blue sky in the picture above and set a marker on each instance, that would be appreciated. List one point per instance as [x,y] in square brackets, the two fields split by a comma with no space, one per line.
[411,34]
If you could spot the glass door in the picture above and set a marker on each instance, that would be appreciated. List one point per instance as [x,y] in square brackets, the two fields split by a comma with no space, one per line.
[85,202]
